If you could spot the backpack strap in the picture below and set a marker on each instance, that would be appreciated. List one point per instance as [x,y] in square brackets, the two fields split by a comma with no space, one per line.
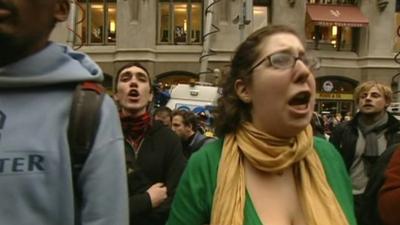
[83,124]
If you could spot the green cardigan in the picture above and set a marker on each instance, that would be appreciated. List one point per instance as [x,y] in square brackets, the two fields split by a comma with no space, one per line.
[193,200]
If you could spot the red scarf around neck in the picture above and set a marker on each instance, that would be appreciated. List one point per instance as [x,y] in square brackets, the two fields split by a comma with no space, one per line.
[134,128]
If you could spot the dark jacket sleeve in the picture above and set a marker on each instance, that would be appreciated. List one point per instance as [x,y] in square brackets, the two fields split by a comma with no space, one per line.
[141,202]
[138,183]
[175,163]
[389,197]
[160,159]
[344,139]
[336,137]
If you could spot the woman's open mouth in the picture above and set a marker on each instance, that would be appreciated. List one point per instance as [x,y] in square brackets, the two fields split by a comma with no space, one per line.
[301,100]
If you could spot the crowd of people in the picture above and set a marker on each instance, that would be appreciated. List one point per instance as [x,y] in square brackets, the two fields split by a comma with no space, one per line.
[324,124]
[269,163]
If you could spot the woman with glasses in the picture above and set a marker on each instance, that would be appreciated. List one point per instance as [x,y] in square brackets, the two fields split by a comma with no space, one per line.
[266,168]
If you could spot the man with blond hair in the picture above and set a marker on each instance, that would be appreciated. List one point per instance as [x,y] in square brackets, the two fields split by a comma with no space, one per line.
[365,145]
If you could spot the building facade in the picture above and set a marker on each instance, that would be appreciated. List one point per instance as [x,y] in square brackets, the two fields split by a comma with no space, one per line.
[179,40]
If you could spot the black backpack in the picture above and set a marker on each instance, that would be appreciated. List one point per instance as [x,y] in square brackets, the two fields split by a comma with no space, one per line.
[83,124]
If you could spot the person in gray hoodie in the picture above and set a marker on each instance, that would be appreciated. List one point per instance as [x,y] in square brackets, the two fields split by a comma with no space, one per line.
[37,81]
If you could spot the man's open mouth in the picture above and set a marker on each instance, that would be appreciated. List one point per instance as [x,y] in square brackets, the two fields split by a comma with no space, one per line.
[133,93]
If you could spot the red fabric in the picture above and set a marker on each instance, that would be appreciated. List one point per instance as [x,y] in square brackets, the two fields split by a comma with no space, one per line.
[389,196]
[338,15]
[90,85]
[134,128]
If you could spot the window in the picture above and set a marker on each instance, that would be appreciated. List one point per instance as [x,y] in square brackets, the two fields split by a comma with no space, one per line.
[331,37]
[95,22]
[180,22]
[261,15]
[333,2]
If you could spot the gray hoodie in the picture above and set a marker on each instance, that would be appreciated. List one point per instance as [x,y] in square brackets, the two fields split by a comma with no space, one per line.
[35,174]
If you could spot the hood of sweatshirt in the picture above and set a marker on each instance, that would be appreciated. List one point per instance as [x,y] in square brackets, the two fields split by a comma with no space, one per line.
[55,64]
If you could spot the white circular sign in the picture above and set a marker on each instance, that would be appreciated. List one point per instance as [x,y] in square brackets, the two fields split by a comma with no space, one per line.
[327,86]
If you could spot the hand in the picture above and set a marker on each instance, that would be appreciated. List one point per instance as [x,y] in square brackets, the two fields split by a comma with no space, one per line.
[158,194]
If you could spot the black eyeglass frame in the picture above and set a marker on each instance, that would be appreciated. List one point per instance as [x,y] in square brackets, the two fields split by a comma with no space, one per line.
[302,57]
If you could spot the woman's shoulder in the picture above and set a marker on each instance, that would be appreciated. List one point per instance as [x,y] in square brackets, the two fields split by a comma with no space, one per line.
[326,151]
[202,167]
[208,153]
[204,163]
[323,146]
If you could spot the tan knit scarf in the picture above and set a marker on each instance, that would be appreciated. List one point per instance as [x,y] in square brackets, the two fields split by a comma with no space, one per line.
[271,154]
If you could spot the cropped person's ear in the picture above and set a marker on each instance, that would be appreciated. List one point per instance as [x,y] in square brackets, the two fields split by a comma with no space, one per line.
[242,91]
[61,10]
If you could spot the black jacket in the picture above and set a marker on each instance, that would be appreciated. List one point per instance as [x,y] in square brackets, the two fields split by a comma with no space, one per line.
[160,159]
[344,137]
[369,205]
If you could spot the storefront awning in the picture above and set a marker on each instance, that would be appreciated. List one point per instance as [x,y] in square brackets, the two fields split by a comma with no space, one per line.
[336,15]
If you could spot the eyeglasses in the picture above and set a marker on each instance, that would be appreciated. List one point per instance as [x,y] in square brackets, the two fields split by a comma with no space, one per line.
[285,60]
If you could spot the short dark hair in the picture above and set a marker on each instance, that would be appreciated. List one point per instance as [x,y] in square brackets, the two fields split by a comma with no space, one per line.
[188,118]
[162,109]
[231,110]
[129,65]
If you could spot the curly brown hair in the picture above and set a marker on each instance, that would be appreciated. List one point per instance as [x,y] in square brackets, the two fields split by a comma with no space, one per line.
[231,111]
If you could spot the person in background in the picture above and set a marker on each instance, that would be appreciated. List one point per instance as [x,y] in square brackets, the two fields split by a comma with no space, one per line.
[161,94]
[154,155]
[37,82]
[329,123]
[185,125]
[164,115]
[338,119]
[347,116]
[266,168]
[389,196]
[318,128]
[204,125]
[364,144]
